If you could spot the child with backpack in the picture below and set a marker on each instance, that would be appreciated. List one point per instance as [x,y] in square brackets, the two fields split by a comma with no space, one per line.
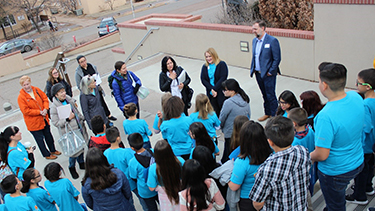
[134,125]
[14,200]
[138,170]
[31,178]
[120,157]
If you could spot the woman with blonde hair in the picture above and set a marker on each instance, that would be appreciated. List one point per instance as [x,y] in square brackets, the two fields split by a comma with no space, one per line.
[34,104]
[55,77]
[205,114]
[90,100]
[214,73]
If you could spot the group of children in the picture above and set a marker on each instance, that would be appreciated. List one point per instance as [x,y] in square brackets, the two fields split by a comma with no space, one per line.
[306,144]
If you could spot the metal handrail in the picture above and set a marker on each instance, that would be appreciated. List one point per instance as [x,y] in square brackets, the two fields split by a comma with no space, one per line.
[150,31]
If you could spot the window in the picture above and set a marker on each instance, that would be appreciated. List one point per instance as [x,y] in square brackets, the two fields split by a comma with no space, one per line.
[9,19]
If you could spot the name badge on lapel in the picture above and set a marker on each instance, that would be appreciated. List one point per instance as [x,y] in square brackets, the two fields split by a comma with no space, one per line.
[267,46]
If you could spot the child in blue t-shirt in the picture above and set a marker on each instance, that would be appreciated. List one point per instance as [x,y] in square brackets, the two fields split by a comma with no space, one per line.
[363,182]
[134,125]
[61,189]
[31,178]
[304,135]
[14,200]
[120,158]
[138,170]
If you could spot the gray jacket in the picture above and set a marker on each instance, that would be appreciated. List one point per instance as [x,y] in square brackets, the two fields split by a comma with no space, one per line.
[60,123]
[79,75]
[91,106]
[232,107]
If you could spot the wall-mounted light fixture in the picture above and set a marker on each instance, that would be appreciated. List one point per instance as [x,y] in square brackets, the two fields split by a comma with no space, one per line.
[244,46]
[139,57]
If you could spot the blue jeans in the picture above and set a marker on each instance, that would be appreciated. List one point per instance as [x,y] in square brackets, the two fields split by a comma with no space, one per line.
[363,182]
[141,201]
[72,160]
[267,87]
[44,135]
[334,187]
[151,203]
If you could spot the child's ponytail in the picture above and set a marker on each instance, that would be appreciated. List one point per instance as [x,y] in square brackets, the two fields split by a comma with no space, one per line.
[28,175]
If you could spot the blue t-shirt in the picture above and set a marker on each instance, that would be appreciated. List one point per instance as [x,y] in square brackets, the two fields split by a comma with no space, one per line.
[176,132]
[18,160]
[235,153]
[152,180]
[244,174]
[211,73]
[42,199]
[63,192]
[369,126]
[211,123]
[338,127]
[20,203]
[285,114]
[155,124]
[136,171]
[307,141]
[137,126]
[120,158]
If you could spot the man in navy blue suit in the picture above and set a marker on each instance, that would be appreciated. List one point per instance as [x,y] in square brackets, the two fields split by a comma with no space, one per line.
[265,65]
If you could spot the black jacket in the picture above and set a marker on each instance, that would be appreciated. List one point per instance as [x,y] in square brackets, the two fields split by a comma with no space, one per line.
[165,83]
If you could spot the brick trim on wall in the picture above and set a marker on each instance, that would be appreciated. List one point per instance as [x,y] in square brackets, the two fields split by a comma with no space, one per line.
[42,52]
[344,2]
[187,22]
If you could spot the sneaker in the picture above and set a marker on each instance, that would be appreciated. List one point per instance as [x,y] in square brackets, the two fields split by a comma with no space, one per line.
[112,118]
[56,153]
[369,193]
[51,157]
[350,199]
[371,209]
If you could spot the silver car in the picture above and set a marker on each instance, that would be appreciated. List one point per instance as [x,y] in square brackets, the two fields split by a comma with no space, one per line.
[111,23]
[23,45]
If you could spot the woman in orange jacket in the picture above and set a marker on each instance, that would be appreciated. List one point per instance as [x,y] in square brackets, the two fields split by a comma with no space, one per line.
[33,104]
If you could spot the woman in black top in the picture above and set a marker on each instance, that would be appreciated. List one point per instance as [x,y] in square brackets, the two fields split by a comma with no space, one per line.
[169,81]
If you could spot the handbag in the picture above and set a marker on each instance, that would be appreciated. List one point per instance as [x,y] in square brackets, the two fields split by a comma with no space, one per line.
[4,170]
[143,91]
[72,142]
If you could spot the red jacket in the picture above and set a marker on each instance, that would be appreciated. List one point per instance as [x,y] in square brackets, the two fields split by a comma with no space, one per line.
[31,108]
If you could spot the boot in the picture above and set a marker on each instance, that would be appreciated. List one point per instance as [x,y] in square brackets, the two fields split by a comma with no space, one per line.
[73,172]
[82,165]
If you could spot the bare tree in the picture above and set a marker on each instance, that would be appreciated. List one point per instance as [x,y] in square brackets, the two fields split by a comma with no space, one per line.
[111,3]
[70,5]
[49,41]
[32,8]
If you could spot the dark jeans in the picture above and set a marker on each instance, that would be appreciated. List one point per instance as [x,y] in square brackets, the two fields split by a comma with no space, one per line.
[246,205]
[151,203]
[334,187]
[104,104]
[40,136]
[363,182]
[216,104]
[79,159]
[141,201]
[226,152]
[267,87]
[139,112]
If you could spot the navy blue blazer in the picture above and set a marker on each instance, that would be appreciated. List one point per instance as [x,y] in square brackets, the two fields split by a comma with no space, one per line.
[270,56]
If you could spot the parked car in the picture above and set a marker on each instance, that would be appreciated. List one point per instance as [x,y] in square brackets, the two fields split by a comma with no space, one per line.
[23,45]
[112,26]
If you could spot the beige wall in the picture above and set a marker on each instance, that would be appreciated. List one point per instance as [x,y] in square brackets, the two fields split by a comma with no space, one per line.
[95,6]
[12,63]
[42,57]
[193,43]
[98,42]
[345,34]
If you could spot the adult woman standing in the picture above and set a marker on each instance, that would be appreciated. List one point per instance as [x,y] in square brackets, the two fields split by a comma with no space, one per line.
[103,186]
[13,153]
[214,73]
[55,77]
[34,104]
[125,86]
[90,100]
[237,104]
[254,151]
[169,81]
[75,121]
[165,176]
